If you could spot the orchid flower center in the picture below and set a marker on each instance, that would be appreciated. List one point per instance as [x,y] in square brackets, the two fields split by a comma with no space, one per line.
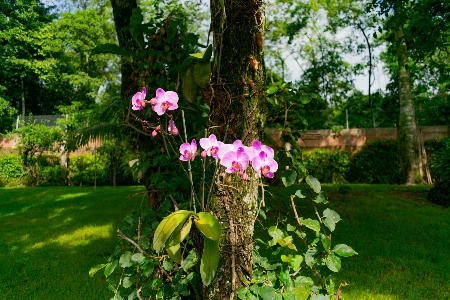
[235,166]
[187,154]
[265,170]
[165,105]
[214,150]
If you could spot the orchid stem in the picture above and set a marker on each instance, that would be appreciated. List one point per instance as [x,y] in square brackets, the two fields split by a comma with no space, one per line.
[189,166]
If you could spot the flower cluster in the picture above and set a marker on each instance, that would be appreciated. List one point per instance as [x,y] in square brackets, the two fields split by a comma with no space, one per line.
[163,102]
[234,157]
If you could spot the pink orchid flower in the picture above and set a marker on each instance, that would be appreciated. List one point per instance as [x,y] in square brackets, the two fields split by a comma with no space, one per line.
[256,148]
[225,148]
[188,151]
[265,165]
[235,161]
[165,101]
[172,128]
[211,146]
[138,100]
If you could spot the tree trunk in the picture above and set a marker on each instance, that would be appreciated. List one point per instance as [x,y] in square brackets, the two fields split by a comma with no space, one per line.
[122,11]
[238,105]
[408,142]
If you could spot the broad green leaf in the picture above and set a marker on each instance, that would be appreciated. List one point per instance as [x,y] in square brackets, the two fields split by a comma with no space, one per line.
[138,257]
[289,177]
[330,218]
[202,73]
[289,227]
[326,242]
[320,297]
[190,87]
[181,234]
[128,281]
[299,193]
[276,235]
[333,262]
[302,171]
[208,225]
[303,281]
[209,261]
[168,225]
[203,56]
[296,261]
[289,296]
[305,99]
[309,256]
[167,265]
[110,49]
[190,260]
[321,198]
[125,260]
[136,26]
[344,250]
[95,269]
[174,253]
[109,268]
[312,224]
[186,63]
[273,89]
[242,292]
[267,293]
[314,183]
[284,275]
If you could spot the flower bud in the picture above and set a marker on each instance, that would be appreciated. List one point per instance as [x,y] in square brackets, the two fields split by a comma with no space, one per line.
[153,101]
[158,128]
[203,154]
[244,176]
[154,133]
[175,131]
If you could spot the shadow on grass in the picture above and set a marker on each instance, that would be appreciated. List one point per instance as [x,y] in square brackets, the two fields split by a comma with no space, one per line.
[402,240]
[51,237]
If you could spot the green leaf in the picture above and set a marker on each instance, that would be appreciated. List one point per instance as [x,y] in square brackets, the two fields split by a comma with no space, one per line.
[242,292]
[110,49]
[168,225]
[174,253]
[136,26]
[190,87]
[305,99]
[300,194]
[95,269]
[314,183]
[330,218]
[267,293]
[125,260]
[180,234]
[202,73]
[190,260]
[312,224]
[289,177]
[309,256]
[203,56]
[344,250]
[128,281]
[186,63]
[273,89]
[295,262]
[109,268]
[284,275]
[289,296]
[138,257]
[303,281]
[326,242]
[333,262]
[167,265]
[208,225]
[289,227]
[321,198]
[209,261]
[276,235]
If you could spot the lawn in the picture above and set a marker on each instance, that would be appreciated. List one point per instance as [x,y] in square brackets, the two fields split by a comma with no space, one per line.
[51,237]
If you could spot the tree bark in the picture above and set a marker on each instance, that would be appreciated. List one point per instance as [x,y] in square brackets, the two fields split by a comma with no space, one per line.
[122,11]
[408,142]
[238,106]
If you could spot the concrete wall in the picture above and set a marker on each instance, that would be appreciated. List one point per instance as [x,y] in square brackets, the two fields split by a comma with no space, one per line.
[353,139]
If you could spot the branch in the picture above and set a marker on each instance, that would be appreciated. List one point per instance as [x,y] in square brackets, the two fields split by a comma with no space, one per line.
[123,236]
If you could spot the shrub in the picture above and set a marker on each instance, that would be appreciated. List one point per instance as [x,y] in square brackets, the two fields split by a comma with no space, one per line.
[377,162]
[438,152]
[11,166]
[52,176]
[440,193]
[82,169]
[327,166]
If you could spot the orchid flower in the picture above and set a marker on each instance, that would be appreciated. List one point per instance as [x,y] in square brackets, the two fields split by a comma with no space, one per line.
[225,148]
[188,151]
[211,146]
[138,100]
[256,148]
[172,128]
[165,101]
[265,165]
[235,161]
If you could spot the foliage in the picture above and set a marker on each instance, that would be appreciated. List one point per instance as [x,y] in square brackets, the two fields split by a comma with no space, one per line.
[439,193]
[328,166]
[52,176]
[377,162]
[87,168]
[11,166]
[439,159]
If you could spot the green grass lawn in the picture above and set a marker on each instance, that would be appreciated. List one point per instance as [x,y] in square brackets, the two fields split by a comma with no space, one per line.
[51,237]
[403,241]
